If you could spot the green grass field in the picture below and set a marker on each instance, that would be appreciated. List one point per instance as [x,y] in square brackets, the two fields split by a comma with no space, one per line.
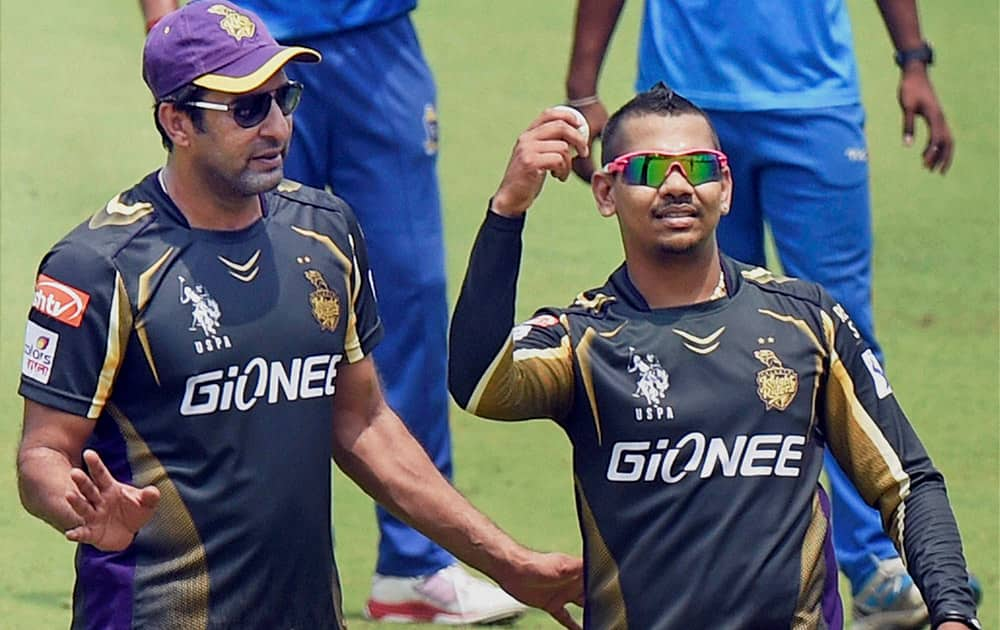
[76,128]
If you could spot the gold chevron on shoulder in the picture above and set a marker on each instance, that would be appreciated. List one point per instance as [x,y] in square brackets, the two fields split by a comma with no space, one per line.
[244,272]
[595,303]
[288,185]
[763,276]
[115,212]
[700,345]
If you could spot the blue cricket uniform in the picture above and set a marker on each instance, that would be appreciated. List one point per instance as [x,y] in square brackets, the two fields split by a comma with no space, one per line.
[780,83]
[367,128]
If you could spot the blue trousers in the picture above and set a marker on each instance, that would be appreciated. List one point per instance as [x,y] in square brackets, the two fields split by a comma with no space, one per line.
[805,173]
[367,129]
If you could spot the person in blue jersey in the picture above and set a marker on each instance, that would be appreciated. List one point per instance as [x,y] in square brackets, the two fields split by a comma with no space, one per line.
[698,393]
[780,82]
[199,349]
[369,132]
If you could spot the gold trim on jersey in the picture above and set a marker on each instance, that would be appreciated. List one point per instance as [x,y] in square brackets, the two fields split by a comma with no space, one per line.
[813,571]
[183,579]
[761,275]
[525,383]
[606,602]
[117,213]
[801,325]
[145,294]
[595,303]
[862,445]
[352,280]
[288,186]
[586,373]
[822,353]
[244,272]
[700,345]
[119,328]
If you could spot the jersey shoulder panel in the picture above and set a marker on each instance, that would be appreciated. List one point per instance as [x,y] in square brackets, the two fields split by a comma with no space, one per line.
[292,194]
[114,226]
[770,282]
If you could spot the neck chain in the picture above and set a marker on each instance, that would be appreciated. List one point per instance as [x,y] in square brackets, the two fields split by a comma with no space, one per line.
[720,289]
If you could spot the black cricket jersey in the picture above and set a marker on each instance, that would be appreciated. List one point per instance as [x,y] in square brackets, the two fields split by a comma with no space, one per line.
[698,436]
[207,361]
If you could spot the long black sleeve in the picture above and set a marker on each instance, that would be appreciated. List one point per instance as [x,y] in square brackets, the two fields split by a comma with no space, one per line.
[484,314]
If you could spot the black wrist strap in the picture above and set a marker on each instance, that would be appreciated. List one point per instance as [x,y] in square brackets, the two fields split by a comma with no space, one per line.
[924,54]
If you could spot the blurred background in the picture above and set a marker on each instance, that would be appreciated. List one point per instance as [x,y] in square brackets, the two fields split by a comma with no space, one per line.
[76,128]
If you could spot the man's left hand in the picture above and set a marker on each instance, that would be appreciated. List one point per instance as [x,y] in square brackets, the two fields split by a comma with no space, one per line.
[917,98]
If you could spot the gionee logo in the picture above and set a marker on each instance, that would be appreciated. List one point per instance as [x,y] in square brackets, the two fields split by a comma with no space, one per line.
[60,301]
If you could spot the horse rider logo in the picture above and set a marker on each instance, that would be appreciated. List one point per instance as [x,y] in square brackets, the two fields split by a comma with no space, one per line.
[776,384]
[205,315]
[237,25]
[325,303]
[205,311]
[653,379]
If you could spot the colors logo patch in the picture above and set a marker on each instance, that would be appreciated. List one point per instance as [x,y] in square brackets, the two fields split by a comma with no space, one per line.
[39,352]
[61,301]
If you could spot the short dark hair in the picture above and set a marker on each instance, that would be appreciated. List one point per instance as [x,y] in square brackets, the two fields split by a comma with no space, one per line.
[659,99]
[180,97]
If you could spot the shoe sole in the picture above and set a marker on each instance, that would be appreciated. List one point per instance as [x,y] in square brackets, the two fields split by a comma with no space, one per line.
[892,620]
[420,612]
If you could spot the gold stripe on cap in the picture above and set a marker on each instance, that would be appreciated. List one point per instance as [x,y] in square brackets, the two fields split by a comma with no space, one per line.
[252,81]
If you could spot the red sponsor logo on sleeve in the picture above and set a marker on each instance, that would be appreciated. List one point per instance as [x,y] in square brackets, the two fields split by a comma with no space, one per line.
[59,300]
[543,321]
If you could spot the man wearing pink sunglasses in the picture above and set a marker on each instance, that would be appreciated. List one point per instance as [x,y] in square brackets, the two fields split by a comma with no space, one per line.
[699,395]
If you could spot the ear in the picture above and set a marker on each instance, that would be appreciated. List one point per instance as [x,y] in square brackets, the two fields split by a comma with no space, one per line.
[176,123]
[726,198]
[604,194]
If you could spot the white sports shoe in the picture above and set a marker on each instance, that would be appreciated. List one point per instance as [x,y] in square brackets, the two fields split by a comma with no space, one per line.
[889,600]
[449,597]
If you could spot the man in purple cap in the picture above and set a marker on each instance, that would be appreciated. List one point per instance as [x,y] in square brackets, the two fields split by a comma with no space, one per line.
[199,348]
[385,167]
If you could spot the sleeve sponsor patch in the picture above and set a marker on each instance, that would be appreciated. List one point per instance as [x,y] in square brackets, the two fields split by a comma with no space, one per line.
[882,387]
[543,321]
[60,301]
[39,352]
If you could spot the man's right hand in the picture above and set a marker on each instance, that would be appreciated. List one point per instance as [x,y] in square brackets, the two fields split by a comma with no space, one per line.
[545,147]
[110,512]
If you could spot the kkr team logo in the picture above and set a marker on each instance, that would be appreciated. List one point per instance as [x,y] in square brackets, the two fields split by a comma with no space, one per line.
[776,384]
[237,25]
[651,384]
[205,316]
[325,303]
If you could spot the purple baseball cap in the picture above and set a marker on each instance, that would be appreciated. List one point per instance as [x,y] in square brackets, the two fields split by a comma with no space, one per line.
[216,45]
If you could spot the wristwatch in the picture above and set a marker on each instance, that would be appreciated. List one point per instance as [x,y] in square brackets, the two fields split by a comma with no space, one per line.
[971,622]
[925,54]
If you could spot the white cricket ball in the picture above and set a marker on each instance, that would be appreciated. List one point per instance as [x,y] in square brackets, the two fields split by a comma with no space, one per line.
[581,121]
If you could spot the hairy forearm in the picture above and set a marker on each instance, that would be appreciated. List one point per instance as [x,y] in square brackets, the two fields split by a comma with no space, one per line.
[595,23]
[391,466]
[43,482]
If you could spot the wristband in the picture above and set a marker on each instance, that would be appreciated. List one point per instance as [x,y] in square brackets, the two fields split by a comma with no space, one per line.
[924,54]
[583,101]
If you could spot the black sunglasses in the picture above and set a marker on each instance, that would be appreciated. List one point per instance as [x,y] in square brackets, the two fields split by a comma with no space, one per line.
[251,110]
